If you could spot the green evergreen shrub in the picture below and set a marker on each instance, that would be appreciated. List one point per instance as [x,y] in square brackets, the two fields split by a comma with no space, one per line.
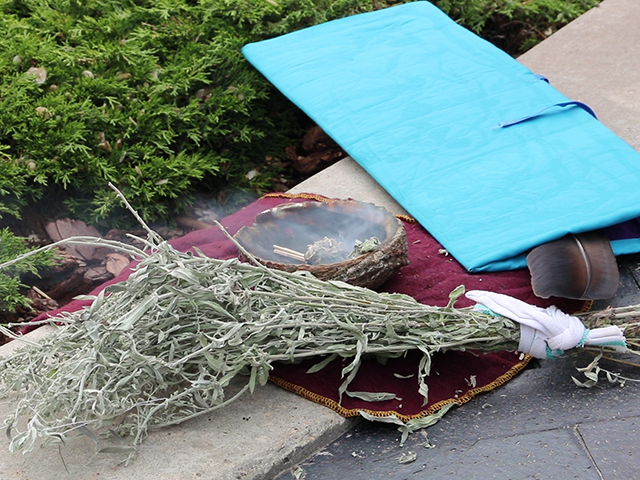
[156,97]
[11,286]
[153,96]
[514,25]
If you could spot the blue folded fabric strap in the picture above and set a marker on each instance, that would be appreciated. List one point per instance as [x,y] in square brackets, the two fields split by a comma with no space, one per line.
[584,106]
[415,99]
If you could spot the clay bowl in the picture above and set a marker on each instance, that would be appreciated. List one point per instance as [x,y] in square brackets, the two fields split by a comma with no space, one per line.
[340,224]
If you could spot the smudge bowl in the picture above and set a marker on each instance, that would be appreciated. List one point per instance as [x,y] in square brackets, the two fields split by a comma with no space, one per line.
[345,240]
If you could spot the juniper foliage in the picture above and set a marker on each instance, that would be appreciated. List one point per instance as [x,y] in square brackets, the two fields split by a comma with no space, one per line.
[11,286]
[155,96]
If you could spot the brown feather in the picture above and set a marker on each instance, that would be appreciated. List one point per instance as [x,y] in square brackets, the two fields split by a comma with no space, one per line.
[580,266]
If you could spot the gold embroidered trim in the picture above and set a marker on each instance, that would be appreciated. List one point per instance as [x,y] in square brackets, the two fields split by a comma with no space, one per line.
[351,412]
[310,196]
[586,306]
[322,198]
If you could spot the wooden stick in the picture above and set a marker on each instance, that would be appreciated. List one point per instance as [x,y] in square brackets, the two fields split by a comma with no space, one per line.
[41,293]
[289,253]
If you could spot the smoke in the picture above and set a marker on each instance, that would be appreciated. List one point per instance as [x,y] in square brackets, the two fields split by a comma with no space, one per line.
[336,225]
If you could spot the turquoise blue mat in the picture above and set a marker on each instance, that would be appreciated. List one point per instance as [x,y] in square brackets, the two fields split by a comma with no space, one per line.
[421,103]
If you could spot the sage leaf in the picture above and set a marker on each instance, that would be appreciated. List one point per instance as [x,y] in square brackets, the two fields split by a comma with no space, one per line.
[372,396]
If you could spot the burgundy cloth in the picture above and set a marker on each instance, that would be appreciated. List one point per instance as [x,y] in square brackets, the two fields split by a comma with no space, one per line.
[455,377]
[211,241]
[430,276]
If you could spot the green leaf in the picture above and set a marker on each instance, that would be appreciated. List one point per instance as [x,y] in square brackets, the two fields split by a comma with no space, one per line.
[587,384]
[320,365]
[372,396]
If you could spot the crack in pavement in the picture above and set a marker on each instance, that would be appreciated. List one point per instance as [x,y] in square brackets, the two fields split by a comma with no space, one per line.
[583,443]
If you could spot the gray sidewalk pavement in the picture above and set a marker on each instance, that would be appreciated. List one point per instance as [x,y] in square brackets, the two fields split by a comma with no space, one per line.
[539,425]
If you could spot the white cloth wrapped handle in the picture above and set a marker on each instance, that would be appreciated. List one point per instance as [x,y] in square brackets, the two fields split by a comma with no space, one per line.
[547,332]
